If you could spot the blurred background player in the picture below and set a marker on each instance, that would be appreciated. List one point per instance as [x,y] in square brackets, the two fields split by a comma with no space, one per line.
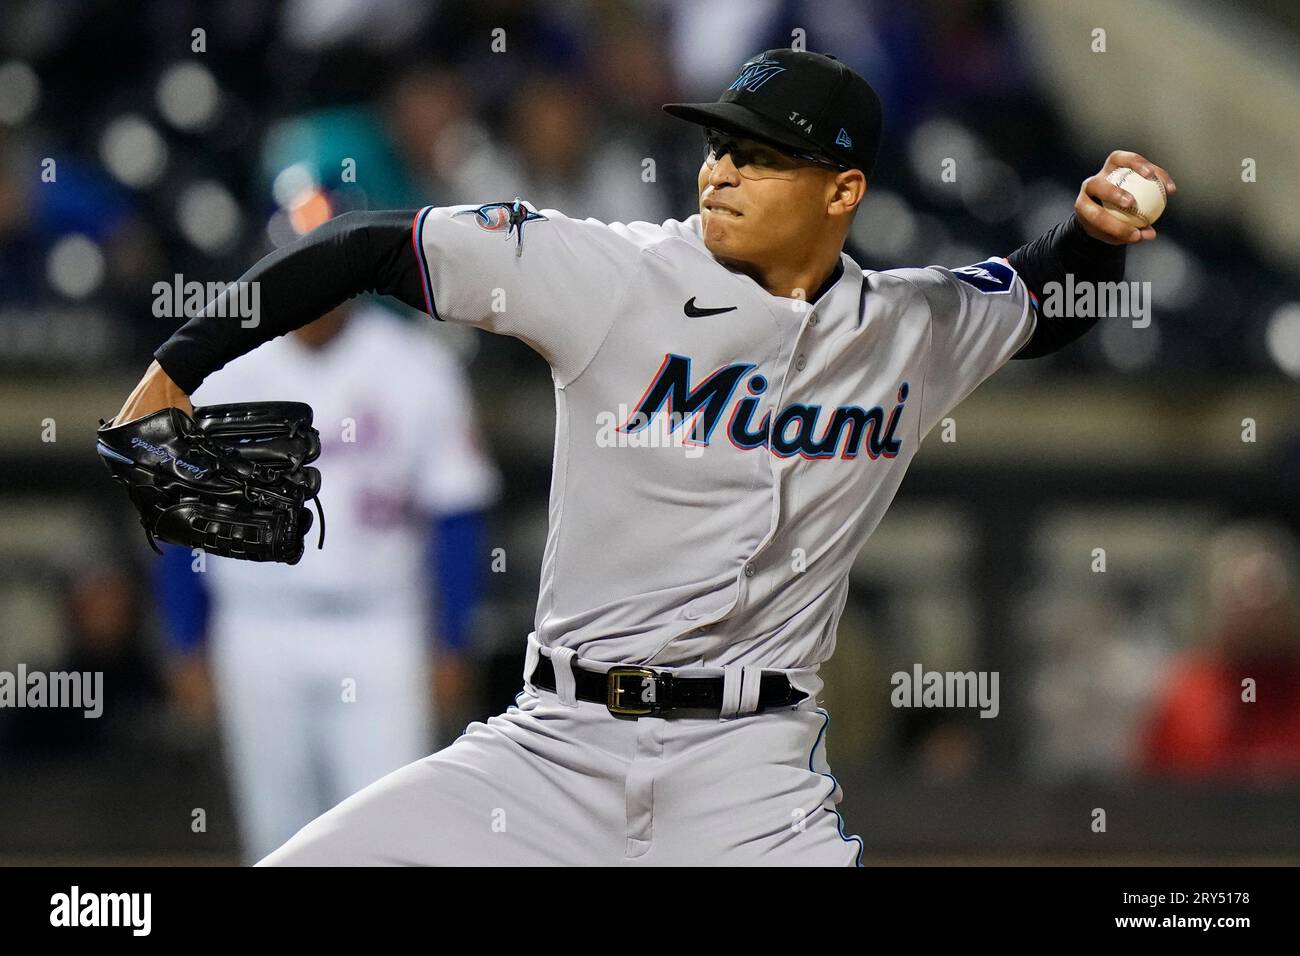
[325,671]
[322,671]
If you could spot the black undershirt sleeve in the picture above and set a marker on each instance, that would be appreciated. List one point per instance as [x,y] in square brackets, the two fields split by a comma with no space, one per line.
[297,284]
[1065,248]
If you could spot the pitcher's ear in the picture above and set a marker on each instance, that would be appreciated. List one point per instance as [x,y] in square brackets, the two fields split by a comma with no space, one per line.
[850,189]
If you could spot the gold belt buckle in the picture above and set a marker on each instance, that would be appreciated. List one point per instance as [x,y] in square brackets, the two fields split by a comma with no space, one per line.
[619,695]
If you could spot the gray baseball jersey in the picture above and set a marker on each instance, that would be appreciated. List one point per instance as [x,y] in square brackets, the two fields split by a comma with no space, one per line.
[720,456]
[721,453]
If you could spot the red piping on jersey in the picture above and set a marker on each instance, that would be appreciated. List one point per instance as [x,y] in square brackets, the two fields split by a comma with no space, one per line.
[425,282]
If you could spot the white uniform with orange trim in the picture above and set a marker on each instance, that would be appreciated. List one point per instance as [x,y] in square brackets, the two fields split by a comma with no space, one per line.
[322,667]
[721,455]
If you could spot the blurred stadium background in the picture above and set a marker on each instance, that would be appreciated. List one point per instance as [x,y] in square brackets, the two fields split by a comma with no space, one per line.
[1119,689]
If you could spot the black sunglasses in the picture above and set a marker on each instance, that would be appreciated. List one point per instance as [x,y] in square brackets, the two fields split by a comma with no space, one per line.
[717,144]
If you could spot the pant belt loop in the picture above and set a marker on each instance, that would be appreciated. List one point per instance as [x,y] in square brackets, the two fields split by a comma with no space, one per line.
[566,686]
[731,678]
[750,684]
[531,657]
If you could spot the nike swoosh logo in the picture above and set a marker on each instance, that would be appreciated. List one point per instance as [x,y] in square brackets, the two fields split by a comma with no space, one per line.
[694,312]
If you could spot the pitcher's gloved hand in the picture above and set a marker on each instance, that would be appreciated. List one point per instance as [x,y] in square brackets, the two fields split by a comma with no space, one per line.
[233,480]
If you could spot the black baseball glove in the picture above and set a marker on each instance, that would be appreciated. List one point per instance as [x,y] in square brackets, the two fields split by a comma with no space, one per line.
[233,480]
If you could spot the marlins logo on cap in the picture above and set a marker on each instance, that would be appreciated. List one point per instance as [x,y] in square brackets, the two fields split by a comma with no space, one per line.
[755,73]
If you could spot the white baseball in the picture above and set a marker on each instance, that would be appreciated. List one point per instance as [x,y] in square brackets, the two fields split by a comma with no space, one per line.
[1148,196]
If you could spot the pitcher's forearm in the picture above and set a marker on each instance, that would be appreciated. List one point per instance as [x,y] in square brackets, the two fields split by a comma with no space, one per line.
[155,390]
[1066,249]
[351,254]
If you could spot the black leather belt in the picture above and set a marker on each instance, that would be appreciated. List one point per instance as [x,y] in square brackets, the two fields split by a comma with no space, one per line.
[632,692]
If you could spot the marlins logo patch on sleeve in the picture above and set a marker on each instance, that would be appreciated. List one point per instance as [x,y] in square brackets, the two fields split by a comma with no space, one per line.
[993,276]
[507,217]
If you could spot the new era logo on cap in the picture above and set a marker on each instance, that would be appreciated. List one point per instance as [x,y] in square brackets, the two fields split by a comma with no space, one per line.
[842,139]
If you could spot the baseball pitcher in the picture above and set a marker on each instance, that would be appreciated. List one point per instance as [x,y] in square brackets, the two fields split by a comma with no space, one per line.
[737,401]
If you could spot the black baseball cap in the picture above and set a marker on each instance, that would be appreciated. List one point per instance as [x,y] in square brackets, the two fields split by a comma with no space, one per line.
[804,102]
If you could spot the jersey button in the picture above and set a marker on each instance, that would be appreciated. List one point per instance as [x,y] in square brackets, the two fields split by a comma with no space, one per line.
[800,362]
[812,319]
[749,570]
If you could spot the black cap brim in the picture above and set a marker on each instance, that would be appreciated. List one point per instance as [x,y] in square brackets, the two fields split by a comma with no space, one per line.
[740,121]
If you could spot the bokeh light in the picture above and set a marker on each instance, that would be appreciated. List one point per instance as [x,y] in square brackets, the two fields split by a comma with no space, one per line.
[20,91]
[1282,338]
[133,151]
[188,96]
[208,216]
[75,266]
